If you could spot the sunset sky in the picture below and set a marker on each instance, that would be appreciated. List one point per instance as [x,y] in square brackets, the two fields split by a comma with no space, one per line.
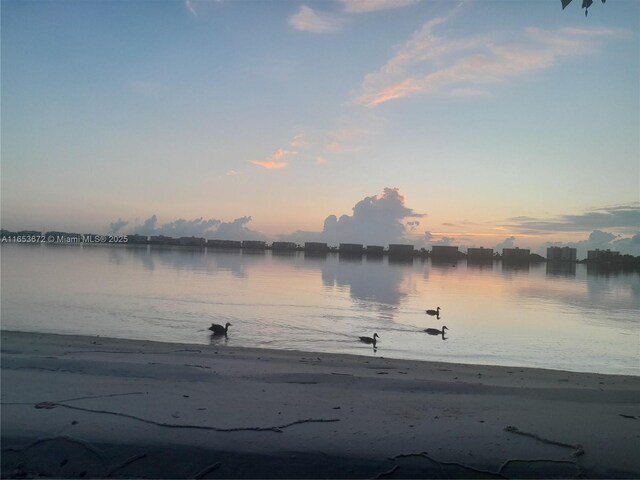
[461,122]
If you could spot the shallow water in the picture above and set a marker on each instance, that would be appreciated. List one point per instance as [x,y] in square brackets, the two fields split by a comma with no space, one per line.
[541,315]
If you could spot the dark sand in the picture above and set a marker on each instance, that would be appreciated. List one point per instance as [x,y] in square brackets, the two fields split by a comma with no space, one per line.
[97,407]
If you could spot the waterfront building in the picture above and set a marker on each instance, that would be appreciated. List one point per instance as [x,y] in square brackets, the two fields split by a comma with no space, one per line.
[254,244]
[135,238]
[598,255]
[561,254]
[515,254]
[400,250]
[162,240]
[444,251]
[192,241]
[283,246]
[480,253]
[224,243]
[375,250]
[316,247]
[357,248]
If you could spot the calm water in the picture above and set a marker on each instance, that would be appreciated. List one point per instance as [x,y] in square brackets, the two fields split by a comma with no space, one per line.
[569,318]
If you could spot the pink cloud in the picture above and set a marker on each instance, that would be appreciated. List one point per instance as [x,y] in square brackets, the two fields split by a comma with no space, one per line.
[428,63]
[309,20]
[281,153]
[362,6]
[270,164]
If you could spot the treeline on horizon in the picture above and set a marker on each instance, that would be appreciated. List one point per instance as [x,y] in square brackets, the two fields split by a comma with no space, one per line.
[611,259]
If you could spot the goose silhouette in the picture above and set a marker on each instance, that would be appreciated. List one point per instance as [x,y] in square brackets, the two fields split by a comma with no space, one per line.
[219,329]
[370,340]
[433,312]
[435,331]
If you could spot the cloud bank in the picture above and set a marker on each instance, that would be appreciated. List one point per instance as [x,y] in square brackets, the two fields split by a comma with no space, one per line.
[624,217]
[199,227]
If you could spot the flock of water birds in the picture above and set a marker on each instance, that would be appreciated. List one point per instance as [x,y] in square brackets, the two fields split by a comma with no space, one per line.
[431,331]
[223,330]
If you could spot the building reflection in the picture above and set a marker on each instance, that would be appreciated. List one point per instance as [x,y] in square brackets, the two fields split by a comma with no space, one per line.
[352,258]
[368,281]
[561,269]
[514,268]
[480,264]
[444,263]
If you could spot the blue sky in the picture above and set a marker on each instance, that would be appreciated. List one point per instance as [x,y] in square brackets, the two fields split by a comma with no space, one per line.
[491,120]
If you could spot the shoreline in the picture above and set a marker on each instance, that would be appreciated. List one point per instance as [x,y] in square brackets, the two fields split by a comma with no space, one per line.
[381,354]
[131,408]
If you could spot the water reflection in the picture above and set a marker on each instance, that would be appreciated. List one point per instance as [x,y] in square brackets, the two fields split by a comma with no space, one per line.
[444,263]
[154,257]
[561,269]
[218,339]
[504,314]
[382,281]
[350,257]
[369,282]
[510,269]
[480,264]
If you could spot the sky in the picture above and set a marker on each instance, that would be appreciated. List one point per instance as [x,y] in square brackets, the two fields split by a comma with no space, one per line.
[470,123]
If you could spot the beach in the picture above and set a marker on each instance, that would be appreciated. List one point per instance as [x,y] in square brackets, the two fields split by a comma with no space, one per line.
[82,407]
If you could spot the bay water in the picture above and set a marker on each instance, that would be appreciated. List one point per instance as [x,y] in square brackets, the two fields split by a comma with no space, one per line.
[558,316]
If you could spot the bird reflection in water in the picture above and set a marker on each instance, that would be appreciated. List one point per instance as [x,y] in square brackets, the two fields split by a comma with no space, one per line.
[218,339]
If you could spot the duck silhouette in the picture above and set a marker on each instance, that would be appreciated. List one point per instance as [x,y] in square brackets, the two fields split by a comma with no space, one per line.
[433,312]
[370,340]
[435,331]
[219,329]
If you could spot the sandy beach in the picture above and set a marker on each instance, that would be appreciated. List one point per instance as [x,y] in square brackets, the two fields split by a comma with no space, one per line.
[79,407]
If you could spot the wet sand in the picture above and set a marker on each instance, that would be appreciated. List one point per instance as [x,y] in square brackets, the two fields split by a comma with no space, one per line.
[77,407]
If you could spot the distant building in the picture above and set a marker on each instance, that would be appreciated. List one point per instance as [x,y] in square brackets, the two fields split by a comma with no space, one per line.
[224,243]
[480,253]
[135,238]
[598,255]
[162,240]
[515,254]
[316,247]
[283,246]
[400,250]
[375,250]
[561,254]
[192,241]
[442,251]
[254,244]
[357,248]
